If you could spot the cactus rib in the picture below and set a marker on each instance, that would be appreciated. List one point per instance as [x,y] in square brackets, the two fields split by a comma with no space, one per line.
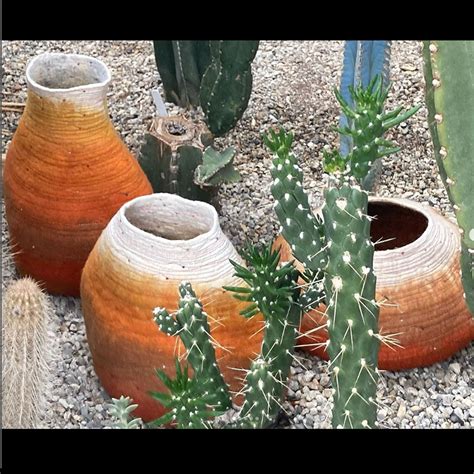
[449,78]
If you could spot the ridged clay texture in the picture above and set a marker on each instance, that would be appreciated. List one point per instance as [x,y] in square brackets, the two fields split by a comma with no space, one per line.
[67,172]
[418,284]
[151,245]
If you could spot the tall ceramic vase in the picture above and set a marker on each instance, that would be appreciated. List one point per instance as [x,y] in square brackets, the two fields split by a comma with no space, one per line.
[150,246]
[67,171]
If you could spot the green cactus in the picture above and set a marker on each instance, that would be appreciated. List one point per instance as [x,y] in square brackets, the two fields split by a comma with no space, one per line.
[189,402]
[184,163]
[272,290]
[227,83]
[345,257]
[301,228]
[216,168]
[449,77]
[120,409]
[181,64]
[369,124]
[190,323]
[351,307]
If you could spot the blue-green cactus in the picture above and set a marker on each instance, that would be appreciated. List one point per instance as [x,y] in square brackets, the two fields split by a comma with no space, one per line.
[120,409]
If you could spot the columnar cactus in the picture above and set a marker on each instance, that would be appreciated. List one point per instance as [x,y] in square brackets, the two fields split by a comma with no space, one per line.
[215,74]
[181,64]
[27,353]
[177,159]
[272,290]
[352,311]
[337,247]
[190,323]
[227,83]
[449,76]
[299,225]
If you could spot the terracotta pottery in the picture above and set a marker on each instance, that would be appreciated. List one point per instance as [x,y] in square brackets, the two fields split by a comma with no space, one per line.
[418,283]
[151,245]
[67,171]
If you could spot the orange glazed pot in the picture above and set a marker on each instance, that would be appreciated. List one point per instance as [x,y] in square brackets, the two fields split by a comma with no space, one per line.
[418,284]
[150,246]
[67,171]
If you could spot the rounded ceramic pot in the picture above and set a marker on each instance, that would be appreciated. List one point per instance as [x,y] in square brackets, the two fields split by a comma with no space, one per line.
[418,283]
[67,171]
[151,245]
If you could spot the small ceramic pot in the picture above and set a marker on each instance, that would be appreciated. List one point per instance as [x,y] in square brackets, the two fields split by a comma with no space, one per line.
[67,171]
[418,283]
[151,245]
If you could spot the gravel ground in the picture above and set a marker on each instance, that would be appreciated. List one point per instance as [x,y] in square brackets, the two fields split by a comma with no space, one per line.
[293,83]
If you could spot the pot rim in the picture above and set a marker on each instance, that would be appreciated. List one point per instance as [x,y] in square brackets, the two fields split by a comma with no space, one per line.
[214,228]
[413,205]
[86,87]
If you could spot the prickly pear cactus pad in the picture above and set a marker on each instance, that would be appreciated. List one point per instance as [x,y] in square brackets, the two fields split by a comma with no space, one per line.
[227,83]
[449,77]
[273,291]
[351,307]
[216,168]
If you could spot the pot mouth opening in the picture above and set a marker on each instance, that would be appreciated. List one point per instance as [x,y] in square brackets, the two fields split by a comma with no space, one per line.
[62,72]
[170,217]
[395,226]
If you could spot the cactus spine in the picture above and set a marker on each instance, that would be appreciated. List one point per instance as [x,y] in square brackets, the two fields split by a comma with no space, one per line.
[271,290]
[27,354]
[337,248]
[227,83]
[352,311]
[449,67]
